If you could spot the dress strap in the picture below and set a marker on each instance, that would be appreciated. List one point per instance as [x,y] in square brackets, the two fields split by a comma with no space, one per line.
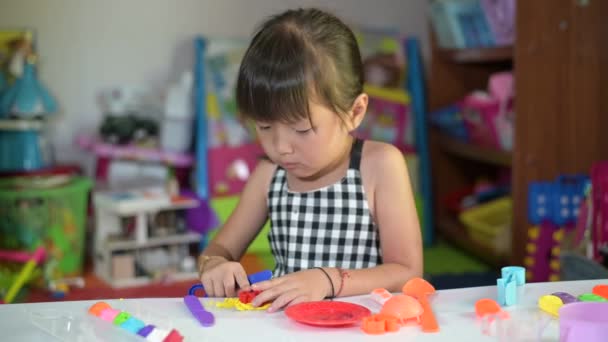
[355,154]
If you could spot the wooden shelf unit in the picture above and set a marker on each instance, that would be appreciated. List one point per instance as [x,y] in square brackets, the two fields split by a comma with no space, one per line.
[560,59]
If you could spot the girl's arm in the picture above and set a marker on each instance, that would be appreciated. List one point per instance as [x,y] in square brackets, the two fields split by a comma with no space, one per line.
[245,221]
[394,211]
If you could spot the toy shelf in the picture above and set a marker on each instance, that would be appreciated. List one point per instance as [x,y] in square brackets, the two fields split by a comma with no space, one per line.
[558,124]
[130,152]
[473,152]
[123,245]
[453,231]
[478,55]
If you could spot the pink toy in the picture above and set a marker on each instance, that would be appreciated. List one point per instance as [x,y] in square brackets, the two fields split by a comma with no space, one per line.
[109,314]
[230,167]
[388,121]
[19,256]
[485,119]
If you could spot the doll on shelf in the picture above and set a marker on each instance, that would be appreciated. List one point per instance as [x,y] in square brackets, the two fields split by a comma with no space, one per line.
[25,97]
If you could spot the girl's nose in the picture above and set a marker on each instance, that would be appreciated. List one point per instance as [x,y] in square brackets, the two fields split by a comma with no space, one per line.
[282,144]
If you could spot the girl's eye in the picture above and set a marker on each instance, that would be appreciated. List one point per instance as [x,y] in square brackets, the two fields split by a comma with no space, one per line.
[263,128]
[303,131]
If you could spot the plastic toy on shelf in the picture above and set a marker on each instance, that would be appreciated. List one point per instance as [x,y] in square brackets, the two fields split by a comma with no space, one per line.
[105,150]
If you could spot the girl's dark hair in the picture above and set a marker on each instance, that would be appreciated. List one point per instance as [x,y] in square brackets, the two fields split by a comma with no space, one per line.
[295,56]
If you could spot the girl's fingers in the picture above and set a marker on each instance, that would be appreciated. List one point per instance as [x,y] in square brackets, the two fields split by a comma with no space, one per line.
[271,293]
[241,278]
[284,299]
[208,285]
[218,289]
[267,284]
[229,286]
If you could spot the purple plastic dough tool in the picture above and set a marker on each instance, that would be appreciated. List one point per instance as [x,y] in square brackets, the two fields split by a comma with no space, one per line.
[197,309]
[253,278]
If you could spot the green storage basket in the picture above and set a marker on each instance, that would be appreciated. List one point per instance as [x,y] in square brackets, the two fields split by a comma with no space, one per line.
[54,217]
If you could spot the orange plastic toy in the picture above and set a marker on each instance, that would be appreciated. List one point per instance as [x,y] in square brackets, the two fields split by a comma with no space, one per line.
[601,290]
[420,289]
[98,307]
[379,324]
[403,308]
[486,306]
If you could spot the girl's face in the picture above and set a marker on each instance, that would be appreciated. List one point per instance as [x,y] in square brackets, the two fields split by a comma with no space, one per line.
[303,150]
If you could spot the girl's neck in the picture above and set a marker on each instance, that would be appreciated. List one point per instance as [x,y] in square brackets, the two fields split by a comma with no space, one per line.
[329,175]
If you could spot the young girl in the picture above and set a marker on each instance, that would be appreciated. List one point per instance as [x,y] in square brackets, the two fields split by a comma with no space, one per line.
[343,219]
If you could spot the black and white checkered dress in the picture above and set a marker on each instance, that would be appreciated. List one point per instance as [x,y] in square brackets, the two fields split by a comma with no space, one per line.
[328,227]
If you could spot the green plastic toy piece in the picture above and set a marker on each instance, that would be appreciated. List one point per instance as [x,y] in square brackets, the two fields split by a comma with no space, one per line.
[590,297]
[121,318]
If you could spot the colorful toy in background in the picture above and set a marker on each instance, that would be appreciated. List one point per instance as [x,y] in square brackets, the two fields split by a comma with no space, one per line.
[489,224]
[389,118]
[384,63]
[484,118]
[26,273]
[23,143]
[226,148]
[24,96]
[599,219]
[473,23]
[488,115]
[48,211]
[553,210]
[132,324]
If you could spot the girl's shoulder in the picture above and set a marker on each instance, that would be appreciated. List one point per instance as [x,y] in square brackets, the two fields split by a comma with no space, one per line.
[380,160]
[378,154]
[261,177]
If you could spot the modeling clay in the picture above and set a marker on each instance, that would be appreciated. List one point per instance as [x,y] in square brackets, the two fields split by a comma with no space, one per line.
[550,304]
[247,297]
[565,297]
[590,297]
[235,303]
[132,324]
[601,290]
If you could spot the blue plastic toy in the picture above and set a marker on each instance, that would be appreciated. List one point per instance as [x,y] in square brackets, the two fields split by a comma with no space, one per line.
[512,278]
[253,278]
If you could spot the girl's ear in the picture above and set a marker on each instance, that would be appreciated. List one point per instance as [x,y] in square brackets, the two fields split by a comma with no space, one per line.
[357,112]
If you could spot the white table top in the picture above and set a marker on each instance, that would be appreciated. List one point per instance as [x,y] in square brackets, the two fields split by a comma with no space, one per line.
[454,310]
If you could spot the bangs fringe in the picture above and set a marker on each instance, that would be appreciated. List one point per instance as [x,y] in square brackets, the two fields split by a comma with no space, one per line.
[275,79]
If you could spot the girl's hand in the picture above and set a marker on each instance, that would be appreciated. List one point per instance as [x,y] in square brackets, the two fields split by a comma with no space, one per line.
[293,288]
[220,278]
